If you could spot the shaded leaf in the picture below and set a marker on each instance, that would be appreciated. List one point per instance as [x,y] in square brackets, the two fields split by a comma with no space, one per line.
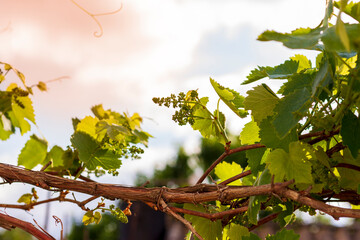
[290,110]
[255,201]
[270,138]
[333,42]
[302,38]
[281,71]
[91,153]
[350,132]
[284,234]
[254,157]
[209,230]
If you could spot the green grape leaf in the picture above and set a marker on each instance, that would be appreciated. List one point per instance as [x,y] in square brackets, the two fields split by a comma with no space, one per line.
[26,198]
[56,156]
[333,41]
[304,62]
[97,217]
[254,157]
[209,230]
[261,102]
[100,112]
[284,234]
[282,164]
[323,76]
[322,157]
[33,153]
[281,71]
[290,110]
[302,38]
[286,216]
[206,125]
[91,217]
[270,138]
[255,201]
[350,132]
[88,126]
[225,170]
[135,121]
[92,154]
[352,9]
[114,131]
[143,137]
[21,109]
[237,231]
[252,236]
[257,74]
[250,133]
[349,178]
[284,70]
[231,98]
[298,81]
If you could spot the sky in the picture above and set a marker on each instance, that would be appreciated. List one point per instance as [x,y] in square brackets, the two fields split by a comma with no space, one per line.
[148,49]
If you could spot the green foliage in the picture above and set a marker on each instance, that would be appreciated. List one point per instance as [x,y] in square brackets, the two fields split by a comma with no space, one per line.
[261,101]
[309,128]
[282,164]
[108,228]
[33,153]
[231,98]
[307,132]
[284,234]
[209,230]
[16,233]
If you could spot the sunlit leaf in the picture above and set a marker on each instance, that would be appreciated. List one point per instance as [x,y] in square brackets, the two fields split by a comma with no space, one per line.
[231,98]
[33,153]
[250,133]
[226,170]
[261,102]
[282,164]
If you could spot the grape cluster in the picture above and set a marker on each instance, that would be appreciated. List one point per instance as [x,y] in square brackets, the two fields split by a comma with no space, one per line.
[185,103]
[119,214]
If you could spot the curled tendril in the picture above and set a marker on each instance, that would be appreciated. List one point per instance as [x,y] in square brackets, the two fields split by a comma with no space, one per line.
[94,16]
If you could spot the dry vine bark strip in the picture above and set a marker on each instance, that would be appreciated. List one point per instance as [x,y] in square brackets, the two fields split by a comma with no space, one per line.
[26,226]
[180,195]
[112,191]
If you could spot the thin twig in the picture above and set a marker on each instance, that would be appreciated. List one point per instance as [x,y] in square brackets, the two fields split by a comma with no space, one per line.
[211,216]
[234,178]
[224,155]
[187,224]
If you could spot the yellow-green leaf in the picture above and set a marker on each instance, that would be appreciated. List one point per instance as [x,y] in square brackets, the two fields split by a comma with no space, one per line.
[250,133]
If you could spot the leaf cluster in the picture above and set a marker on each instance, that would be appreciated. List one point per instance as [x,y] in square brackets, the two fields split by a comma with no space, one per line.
[309,129]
